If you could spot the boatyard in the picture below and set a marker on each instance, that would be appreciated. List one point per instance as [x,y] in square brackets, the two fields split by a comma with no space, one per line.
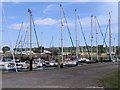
[83,76]
[65,56]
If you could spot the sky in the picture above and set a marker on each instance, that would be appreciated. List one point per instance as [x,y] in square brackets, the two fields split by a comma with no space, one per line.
[46,17]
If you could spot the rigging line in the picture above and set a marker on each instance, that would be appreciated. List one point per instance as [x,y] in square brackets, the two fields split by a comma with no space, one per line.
[24,38]
[68,27]
[84,37]
[51,42]
[9,40]
[5,20]
[102,33]
[20,42]
[18,36]
[105,35]
[106,29]
[100,30]
[35,32]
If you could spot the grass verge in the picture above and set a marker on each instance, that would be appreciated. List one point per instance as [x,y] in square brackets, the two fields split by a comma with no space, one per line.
[110,81]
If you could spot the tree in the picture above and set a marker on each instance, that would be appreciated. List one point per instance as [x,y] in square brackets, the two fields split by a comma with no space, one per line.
[100,49]
[5,48]
[118,50]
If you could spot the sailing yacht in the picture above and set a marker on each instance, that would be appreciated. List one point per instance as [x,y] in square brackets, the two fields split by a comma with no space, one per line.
[7,63]
[73,60]
[70,62]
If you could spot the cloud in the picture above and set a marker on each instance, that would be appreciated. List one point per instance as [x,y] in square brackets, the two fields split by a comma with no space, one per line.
[103,17]
[46,21]
[47,8]
[17,26]
[55,8]
[50,8]
[86,22]
[39,22]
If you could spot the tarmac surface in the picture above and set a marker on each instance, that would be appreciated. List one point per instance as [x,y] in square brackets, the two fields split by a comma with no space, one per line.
[82,76]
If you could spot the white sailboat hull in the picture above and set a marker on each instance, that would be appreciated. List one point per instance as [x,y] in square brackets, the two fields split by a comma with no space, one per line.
[7,65]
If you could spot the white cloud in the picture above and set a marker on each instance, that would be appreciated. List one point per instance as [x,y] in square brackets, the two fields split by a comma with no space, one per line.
[17,26]
[103,17]
[50,8]
[103,21]
[55,8]
[39,22]
[86,22]
[47,8]
[46,21]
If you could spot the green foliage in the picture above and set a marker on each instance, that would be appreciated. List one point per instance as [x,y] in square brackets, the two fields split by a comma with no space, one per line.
[100,49]
[109,81]
[118,50]
[5,48]
[19,49]
[38,49]
[71,49]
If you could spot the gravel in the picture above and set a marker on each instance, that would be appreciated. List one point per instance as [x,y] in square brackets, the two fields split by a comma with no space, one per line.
[82,76]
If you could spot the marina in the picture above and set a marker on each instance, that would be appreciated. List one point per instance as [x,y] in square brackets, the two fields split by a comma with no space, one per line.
[64,50]
[84,76]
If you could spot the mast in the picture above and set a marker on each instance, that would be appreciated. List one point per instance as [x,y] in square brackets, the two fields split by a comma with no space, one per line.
[20,45]
[110,38]
[114,46]
[17,42]
[61,32]
[52,41]
[76,36]
[96,39]
[41,40]
[24,40]
[30,69]
[86,48]
[27,40]
[52,47]
[14,61]
[13,52]
[91,35]
[83,53]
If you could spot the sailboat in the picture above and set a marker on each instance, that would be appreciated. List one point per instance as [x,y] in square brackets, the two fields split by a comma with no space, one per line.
[7,63]
[53,62]
[71,60]
[83,59]
[97,59]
